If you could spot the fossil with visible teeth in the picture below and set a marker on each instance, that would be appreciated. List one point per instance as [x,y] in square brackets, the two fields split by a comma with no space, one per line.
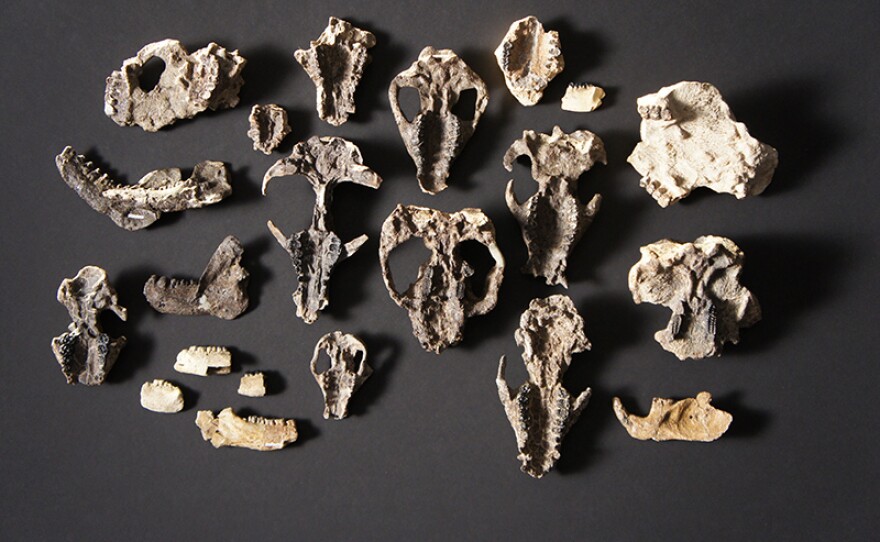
[347,372]
[254,432]
[161,396]
[529,58]
[252,385]
[582,98]
[268,127]
[204,361]
[692,419]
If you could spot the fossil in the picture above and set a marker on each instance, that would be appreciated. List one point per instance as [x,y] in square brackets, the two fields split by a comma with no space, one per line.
[252,385]
[204,361]
[347,372]
[86,354]
[221,291]
[324,161]
[530,58]
[133,207]
[335,63]
[161,396]
[688,419]
[699,282]
[441,298]
[553,219]
[582,98]
[210,78]
[254,432]
[268,127]
[542,410]
[436,134]
[690,139]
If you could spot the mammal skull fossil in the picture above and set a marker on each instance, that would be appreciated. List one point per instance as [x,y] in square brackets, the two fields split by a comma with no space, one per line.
[529,58]
[348,371]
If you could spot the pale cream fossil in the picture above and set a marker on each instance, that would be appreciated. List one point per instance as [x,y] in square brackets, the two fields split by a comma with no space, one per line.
[254,432]
[529,58]
[582,98]
[204,361]
[252,385]
[692,419]
[347,372]
[161,396]
[267,127]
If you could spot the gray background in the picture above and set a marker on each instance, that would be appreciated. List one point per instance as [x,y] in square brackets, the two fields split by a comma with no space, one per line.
[428,453]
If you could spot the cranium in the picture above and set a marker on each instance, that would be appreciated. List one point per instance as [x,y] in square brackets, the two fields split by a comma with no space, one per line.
[530,58]
[348,371]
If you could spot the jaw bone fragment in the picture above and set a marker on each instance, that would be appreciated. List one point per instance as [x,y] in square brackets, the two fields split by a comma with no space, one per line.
[86,354]
[436,135]
[161,396]
[690,139]
[335,63]
[221,291]
[210,78]
[687,419]
[582,98]
[254,432]
[441,298]
[204,361]
[542,410]
[530,58]
[133,207]
[699,281]
[268,127]
[553,219]
[252,385]
[324,161]
[348,371]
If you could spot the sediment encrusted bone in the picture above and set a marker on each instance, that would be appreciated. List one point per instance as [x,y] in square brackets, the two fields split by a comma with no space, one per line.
[267,127]
[436,135]
[221,291]
[210,78]
[553,219]
[161,396]
[529,58]
[692,419]
[324,161]
[441,298]
[347,372]
[690,139]
[541,411]
[133,207]
[204,361]
[335,63]
[254,432]
[86,354]
[699,281]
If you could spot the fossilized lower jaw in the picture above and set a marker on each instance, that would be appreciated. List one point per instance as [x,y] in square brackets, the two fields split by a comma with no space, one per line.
[529,58]
[553,219]
[348,371]
[161,396]
[335,62]
[204,361]
[252,385]
[221,291]
[254,432]
[134,207]
[436,135]
[688,419]
[582,98]
[268,127]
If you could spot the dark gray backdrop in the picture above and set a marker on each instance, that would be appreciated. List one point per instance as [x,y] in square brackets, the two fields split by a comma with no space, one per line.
[428,453]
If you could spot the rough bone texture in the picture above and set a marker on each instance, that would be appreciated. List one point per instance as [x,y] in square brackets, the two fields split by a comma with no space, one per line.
[324,161]
[553,219]
[268,127]
[692,419]
[335,63]
[134,207]
[254,432]
[699,281]
[441,298]
[204,361]
[210,78]
[529,58]
[347,372]
[582,98]
[690,139]
[86,354]
[252,385]
[221,291]
[542,410]
[436,135]
[161,396]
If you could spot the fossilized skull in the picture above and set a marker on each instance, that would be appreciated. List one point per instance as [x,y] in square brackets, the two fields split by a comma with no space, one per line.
[699,281]
[348,371]
[529,58]
[436,135]
[688,419]
[553,219]
[441,298]
[267,127]
[254,432]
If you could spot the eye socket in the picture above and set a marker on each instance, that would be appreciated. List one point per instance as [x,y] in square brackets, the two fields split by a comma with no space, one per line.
[465,107]
[323,363]
[404,262]
[478,257]
[409,102]
[150,74]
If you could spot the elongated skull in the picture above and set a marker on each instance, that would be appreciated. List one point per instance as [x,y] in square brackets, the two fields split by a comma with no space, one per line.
[348,371]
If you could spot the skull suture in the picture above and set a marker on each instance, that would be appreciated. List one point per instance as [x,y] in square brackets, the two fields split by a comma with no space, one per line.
[348,371]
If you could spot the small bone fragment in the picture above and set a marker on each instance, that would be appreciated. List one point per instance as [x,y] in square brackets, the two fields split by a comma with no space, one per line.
[335,63]
[210,78]
[133,207]
[441,298]
[542,410]
[699,281]
[529,58]
[688,419]
[553,219]
[348,371]
[315,252]
[436,135]
[221,291]
[161,396]
[268,127]
[252,385]
[204,361]
[582,98]
[255,432]
[690,139]
[86,354]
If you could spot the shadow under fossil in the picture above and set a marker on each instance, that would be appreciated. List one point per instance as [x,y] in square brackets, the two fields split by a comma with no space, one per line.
[129,286]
